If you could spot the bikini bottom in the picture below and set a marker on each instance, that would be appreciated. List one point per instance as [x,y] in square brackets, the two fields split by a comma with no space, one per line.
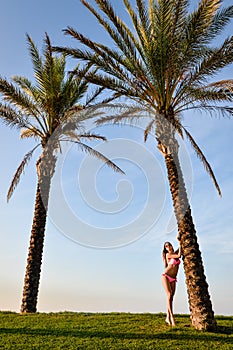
[170,279]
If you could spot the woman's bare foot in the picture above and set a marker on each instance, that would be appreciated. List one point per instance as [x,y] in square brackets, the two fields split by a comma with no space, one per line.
[173,323]
[168,321]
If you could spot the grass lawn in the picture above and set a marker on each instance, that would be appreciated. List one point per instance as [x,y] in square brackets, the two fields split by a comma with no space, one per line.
[101,331]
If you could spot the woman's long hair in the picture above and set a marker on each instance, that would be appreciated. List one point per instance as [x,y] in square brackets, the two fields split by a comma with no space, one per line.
[164,252]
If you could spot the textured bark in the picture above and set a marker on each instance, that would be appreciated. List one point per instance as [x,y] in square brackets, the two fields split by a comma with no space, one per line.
[201,312]
[45,171]
[33,269]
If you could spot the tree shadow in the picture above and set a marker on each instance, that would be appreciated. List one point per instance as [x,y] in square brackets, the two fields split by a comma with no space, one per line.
[224,330]
[171,334]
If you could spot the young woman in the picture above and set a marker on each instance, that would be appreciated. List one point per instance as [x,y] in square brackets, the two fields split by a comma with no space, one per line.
[171,262]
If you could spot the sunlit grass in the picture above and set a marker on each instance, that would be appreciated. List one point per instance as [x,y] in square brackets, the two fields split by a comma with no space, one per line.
[69,330]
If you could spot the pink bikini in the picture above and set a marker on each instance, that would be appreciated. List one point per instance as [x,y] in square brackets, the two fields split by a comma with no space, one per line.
[170,279]
[172,262]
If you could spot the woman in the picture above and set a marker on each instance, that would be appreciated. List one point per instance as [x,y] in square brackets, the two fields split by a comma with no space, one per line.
[171,262]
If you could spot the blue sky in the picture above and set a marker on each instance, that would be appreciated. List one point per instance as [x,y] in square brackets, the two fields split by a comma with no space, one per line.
[105,231]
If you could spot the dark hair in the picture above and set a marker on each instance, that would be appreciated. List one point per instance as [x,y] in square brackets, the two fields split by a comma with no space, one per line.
[164,252]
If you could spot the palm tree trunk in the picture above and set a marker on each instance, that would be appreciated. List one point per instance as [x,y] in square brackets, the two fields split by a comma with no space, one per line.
[201,312]
[45,171]
[32,276]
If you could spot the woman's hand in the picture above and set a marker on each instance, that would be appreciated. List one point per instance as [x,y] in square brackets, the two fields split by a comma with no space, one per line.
[179,250]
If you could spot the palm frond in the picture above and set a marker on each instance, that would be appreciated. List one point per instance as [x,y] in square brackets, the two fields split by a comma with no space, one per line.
[215,60]
[25,107]
[79,72]
[123,114]
[90,99]
[19,172]
[108,60]
[66,103]
[87,135]
[115,84]
[143,24]
[179,15]
[16,97]
[92,136]
[31,91]
[219,21]
[223,111]
[122,36]
[78,114]
[49,67]
[203,159]
[91,151]
[112,97]
[148,129]
[199,22]
[143,15]
[139,44]
[36,59]
[31,132]
[196,31]
[222,86]
[26,85]
[207,95]
[11,117]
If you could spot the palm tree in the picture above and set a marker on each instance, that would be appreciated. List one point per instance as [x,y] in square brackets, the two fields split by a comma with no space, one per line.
[47,111]
[163,62]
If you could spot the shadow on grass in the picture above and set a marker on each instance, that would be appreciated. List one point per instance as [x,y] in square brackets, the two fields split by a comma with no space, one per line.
[224,330]
[172,334]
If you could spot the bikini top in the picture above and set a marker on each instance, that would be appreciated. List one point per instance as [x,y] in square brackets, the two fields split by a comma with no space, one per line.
[174,262]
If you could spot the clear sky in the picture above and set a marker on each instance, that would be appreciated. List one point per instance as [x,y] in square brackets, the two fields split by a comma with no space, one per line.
[105,231]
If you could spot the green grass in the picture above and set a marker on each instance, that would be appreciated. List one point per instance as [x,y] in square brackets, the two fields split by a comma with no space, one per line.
[101,331]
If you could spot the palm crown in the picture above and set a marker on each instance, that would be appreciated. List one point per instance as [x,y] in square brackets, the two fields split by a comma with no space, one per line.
[41,107]
[167,58]
[164,61]
[49,110]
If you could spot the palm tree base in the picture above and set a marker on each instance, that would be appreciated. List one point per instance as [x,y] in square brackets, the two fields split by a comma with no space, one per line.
[203,324]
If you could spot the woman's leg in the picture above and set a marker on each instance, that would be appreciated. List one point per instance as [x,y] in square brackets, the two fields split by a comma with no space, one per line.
[170,291]
[173,289]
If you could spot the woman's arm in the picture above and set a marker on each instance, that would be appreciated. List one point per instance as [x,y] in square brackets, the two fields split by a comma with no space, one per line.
[177,253]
